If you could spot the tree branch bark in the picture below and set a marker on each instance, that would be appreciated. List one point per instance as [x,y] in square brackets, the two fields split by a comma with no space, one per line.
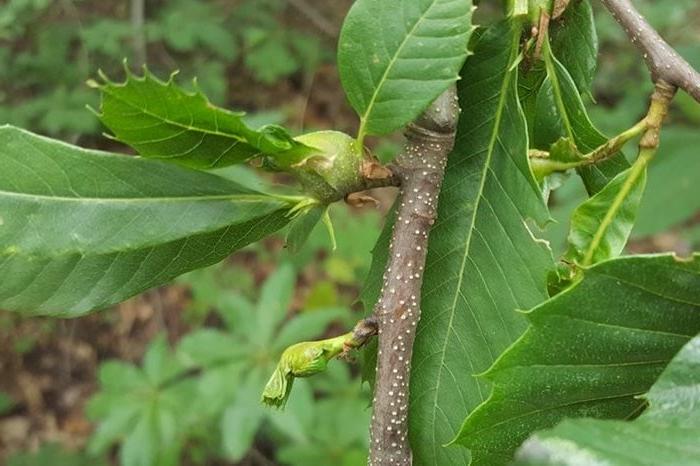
[421,167]
[663,61]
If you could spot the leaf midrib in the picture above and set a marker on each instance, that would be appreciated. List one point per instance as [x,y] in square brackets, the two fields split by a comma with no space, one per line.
[217,197]
[177,123]
[61,254]
[370,105]
[551,66]
[556,89]
[467,248]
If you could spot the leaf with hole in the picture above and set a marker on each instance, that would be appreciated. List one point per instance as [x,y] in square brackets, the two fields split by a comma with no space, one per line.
[590,351]
[666,433]
[483,261]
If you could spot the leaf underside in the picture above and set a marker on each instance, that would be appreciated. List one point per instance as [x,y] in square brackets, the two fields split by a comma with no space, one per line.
[82,229]
[666,433]
[594,236]
[590,351]
[483,262]
[395,58]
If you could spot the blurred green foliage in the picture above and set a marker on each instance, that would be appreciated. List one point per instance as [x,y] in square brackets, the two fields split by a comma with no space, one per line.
[204,393]
[48,49]
[6,403]
[53,455]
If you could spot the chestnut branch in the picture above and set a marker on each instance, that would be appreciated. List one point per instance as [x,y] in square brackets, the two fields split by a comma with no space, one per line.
[421,167]
[664,63]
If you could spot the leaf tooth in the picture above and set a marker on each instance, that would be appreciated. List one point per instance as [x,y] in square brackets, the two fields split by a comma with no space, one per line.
[92,110]
[103,76]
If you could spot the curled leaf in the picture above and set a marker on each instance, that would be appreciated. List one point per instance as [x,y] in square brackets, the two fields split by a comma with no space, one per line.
[302,360]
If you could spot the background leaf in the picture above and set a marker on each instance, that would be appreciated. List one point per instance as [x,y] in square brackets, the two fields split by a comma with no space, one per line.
[395,58]
[671,182]
[590,351]
[483,262]
[241,420]
[275,296]
[161,120]
[82,230]
[666,433]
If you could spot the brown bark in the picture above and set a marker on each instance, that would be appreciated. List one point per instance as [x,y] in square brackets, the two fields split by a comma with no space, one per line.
[420,167]
[664,63]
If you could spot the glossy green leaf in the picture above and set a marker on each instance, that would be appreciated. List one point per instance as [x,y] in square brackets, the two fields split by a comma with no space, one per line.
[559,112]
[666,433]
[590,351]
[82,230]
[601,225]
[395,58]
[575,43]
[161,120]
[483,261]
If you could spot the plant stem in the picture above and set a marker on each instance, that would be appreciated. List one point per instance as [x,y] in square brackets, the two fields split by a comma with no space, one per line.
[648,145]
[614,144]
[662,60]
[543,165]
[421,167]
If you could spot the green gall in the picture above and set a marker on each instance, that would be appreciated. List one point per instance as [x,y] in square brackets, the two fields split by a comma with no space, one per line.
[330,170]
[302,360]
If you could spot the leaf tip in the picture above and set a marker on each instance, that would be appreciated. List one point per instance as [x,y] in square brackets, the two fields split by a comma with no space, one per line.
[171,77]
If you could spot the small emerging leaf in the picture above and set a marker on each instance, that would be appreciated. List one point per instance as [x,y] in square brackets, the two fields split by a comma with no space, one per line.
[562,156]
